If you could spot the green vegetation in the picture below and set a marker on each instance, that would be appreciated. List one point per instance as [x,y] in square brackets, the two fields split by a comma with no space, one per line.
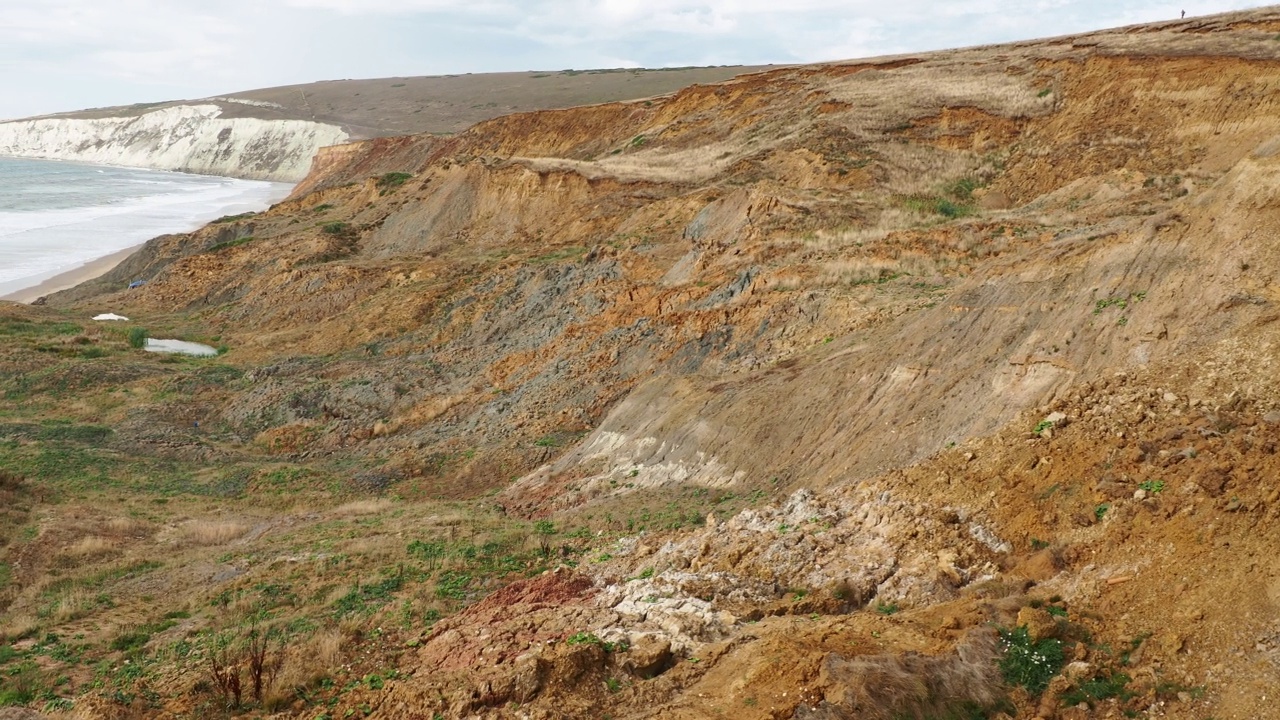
[137,337]
[389,182]
[233,218]
[336,228]
[1153,487]
[228,244]
[19,327]
[1103,686]
[1119,302]
[1028,663]
[945,207]
[1101,511]
[567,253]
[589,638]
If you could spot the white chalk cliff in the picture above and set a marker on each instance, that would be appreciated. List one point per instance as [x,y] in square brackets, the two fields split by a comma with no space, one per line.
[188,138]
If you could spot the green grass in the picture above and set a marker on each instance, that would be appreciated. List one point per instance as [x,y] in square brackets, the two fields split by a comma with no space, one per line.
[18,326]
[233,218]
[137,337]
[392,180]
[228,244]
[887,609]
[1103,686]
[568,253]
[362,599]
[946,207]
[1028,663]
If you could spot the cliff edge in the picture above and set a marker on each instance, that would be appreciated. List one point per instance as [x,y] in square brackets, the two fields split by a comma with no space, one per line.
[186,138]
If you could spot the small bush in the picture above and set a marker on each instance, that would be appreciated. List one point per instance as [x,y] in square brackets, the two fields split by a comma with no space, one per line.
[1028,663]
[128,641]
[1104,686]
[137,337]
[218,247]
[233,218]
[336,228]
[393,180]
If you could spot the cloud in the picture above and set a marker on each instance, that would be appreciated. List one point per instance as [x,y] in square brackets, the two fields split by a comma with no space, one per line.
[66,54]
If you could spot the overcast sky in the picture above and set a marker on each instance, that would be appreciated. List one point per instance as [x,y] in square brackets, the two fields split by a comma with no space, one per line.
[60,55]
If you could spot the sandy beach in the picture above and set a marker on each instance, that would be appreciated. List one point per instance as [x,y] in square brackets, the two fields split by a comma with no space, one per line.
[71,278]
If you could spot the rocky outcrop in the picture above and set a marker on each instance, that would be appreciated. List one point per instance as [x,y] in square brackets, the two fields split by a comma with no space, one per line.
[187,138]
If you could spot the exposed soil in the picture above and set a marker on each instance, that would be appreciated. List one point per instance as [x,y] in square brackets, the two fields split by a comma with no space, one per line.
[929,387]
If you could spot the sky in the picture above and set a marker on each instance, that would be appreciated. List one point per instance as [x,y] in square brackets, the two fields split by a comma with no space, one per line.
[60,55]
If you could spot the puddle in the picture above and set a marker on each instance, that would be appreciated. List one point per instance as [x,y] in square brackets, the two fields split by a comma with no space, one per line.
[179,346]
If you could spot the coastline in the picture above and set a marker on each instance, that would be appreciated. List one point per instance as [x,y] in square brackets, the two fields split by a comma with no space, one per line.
[71,278]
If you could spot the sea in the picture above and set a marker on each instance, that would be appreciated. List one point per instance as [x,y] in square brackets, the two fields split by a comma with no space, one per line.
[56,216]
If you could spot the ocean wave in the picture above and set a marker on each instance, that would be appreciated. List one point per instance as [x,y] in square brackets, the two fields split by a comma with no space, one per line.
[40,243]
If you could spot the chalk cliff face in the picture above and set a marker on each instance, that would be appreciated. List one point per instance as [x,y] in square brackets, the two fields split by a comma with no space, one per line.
[189,138]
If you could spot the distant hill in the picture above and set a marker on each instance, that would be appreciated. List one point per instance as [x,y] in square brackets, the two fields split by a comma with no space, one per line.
[442,104]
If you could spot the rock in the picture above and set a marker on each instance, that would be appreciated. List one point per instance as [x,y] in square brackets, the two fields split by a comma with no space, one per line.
[1039,623]
[1140,494]
[1212,480]
[1056,418]
[1077,671]
[1272,418]
[1171,643]
[1170,397]
[649,656]
[1039,567]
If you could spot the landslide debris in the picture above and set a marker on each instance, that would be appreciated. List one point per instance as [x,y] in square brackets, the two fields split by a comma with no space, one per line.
[931,386]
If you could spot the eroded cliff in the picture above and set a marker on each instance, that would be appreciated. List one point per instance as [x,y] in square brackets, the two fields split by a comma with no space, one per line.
[186,138]
[934,386]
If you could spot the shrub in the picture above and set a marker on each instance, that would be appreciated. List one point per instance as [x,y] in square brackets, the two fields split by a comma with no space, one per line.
[1030,663]
[217,247]
[336,228]
[1103,686]
[128,641]
[392,180]
[233,218]
[137,337]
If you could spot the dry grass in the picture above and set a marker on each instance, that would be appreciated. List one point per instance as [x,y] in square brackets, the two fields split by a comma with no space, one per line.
[18,626]
[325,648]
[363,507]
[74,604]
[656,165]
[123,526]
[891,686]
[91,545]
[881,99]
[214,532]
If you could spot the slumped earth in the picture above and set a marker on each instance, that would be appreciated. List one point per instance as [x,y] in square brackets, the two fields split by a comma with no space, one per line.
[938,386]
